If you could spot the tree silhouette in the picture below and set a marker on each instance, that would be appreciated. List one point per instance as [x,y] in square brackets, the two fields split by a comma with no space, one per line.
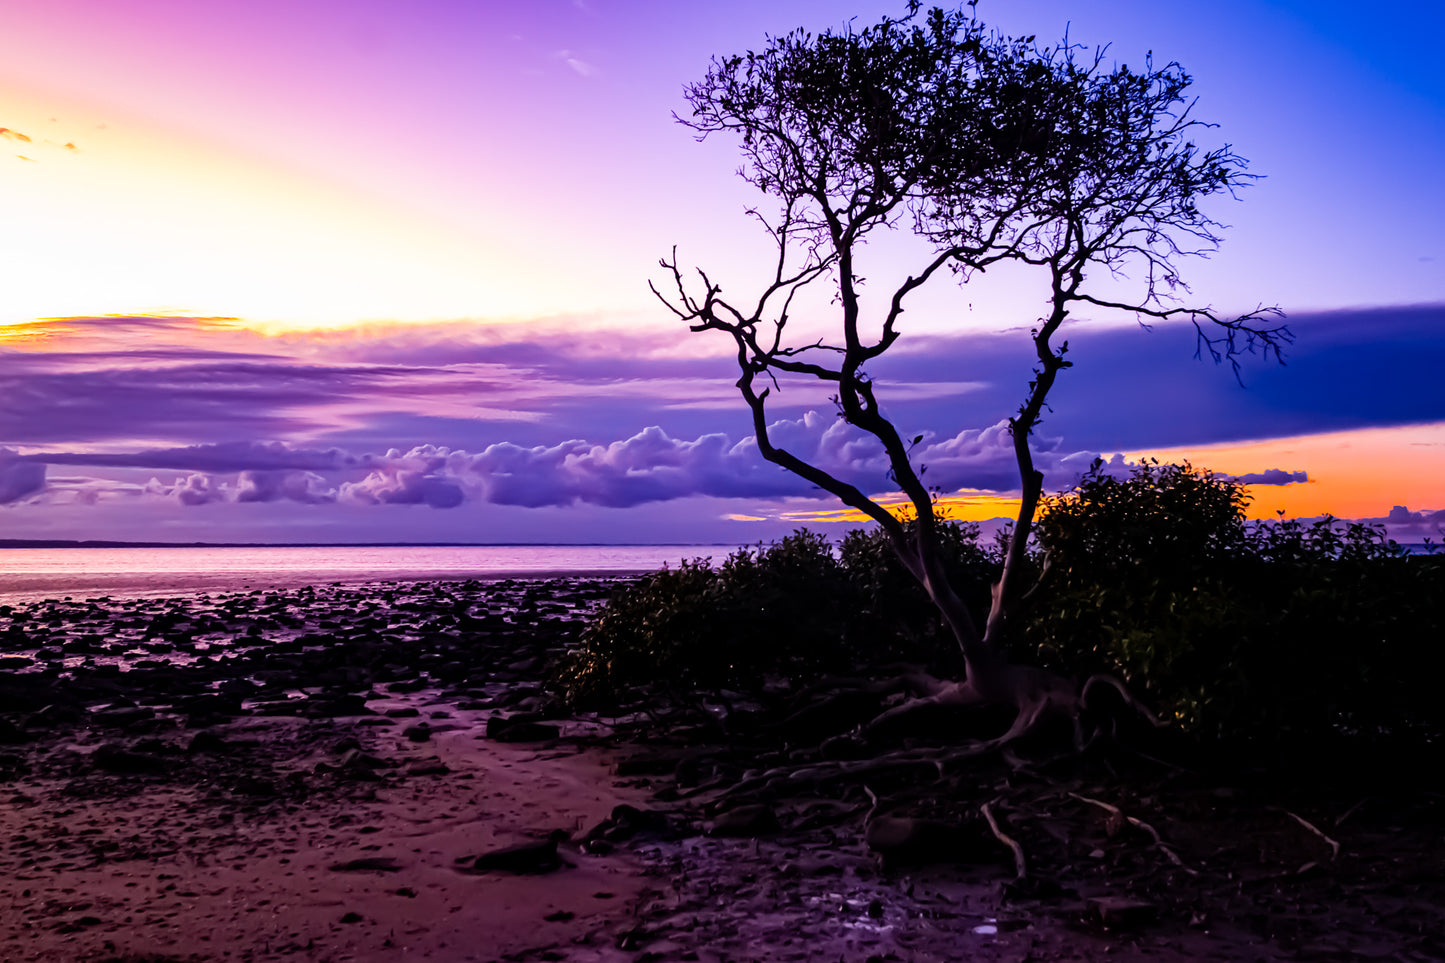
[992,150]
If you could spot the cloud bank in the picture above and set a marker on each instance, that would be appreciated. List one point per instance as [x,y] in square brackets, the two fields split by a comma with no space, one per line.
[199,411]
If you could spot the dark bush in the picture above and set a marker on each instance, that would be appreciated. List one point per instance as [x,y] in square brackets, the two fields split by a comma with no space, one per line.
[1277,633]
[1270,632]
[790,610]
[894,611]
[782,609]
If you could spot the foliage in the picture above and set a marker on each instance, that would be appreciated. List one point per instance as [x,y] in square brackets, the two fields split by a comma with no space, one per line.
[897,611]
[1279,633]
[697,628]
[1282,631]
[793,609]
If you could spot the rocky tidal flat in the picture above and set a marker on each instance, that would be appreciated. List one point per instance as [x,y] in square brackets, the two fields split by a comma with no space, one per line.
[379,772]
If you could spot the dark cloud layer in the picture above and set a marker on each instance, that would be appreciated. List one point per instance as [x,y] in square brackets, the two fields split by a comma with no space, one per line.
[442,416]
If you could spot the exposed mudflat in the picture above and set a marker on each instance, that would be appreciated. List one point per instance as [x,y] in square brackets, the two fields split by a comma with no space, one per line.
[348,773]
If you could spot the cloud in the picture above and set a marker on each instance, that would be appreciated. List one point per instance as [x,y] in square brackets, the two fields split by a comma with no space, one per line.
[406,480]
[652,466]
[18,478]
[1405,525]
[579,66]
[1272,476]
[505,410]
[14,135]
[252,456]
[190,490]
[306,487]
[198,381]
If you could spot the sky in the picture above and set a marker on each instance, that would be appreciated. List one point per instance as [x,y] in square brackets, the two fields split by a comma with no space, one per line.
[326,271]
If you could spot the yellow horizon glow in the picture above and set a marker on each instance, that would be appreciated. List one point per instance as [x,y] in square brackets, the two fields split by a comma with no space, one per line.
[968,505]
[138,219]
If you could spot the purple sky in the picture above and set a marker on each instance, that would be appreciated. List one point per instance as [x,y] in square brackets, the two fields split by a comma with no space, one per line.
[431,226]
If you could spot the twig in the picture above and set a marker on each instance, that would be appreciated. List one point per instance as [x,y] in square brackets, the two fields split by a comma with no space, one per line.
[1350,812]
[1020,869]
[1159,843]
[1334,846]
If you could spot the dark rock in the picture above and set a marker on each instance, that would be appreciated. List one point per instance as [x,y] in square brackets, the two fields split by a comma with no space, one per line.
[751,820]
[518,729]
[206,741]
[367,864]
[211,704]
[117,759]
[911,841]
[1121,912]
[344,704]
[11,734]
[420,733]
[526,859]
[124,718]
[630,822]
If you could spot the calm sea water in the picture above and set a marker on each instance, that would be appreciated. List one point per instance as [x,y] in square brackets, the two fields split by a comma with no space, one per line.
[33,573]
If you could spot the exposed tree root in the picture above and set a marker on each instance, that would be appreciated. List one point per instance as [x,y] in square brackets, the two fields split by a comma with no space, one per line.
[1020,867]
[1311,827]
[1038,699]
[1159,843]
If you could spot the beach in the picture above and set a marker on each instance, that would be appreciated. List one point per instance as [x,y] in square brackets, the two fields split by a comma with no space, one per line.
[358,772]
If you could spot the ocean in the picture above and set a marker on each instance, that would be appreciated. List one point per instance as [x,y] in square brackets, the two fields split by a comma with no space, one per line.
[28,574]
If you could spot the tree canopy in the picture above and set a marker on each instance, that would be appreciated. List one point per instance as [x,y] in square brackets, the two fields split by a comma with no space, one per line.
[993,150]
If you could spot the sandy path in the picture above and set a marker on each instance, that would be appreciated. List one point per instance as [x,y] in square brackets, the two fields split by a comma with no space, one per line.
[166,870]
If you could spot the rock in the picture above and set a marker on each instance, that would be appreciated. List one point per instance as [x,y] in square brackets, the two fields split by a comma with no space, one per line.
[418,733]
[912,841]
[211,704]
[343,704]
[517,729]
[125,718]
[11,734]
[751,820]
[629,822]
[367,864]
[526,859]
[1122,912]
[206,741]
[121,761]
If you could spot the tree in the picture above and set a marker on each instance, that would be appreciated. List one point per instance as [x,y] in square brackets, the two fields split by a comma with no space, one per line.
[992,150]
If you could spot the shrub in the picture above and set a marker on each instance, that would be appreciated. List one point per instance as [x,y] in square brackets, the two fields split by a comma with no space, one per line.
[894,611]
[791,610]
[780,609]
[1284,631]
